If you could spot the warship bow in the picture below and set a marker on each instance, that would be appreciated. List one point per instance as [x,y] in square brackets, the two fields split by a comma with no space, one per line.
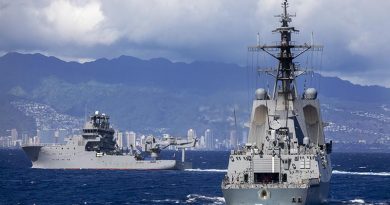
[286,159]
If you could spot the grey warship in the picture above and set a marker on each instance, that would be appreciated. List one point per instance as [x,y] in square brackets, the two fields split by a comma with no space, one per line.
[286,159]
[94,149]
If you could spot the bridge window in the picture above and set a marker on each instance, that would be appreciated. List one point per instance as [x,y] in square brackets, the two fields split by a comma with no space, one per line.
[284,177]
[266,177]
[246,178]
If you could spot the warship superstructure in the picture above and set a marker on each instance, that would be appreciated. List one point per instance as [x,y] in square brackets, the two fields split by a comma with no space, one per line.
[96,148]
[286,159]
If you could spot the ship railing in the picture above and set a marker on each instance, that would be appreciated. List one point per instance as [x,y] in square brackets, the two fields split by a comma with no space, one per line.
[42,144]
[267,186]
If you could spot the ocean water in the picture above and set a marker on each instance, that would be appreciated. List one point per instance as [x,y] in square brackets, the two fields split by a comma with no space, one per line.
[357,179]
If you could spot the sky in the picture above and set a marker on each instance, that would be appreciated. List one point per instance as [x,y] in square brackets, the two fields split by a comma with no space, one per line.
[354,32]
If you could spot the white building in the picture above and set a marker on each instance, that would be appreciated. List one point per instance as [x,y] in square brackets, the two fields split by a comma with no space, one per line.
[119,139]
[202,142]
[14,135]
[233,139]
[209,139]
[131,139]
[191,134]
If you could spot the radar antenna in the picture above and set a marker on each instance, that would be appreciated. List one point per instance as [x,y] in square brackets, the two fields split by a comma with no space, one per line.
[283,51]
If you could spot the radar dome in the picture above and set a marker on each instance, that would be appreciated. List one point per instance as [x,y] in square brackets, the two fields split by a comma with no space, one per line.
[310,94]
[261,94]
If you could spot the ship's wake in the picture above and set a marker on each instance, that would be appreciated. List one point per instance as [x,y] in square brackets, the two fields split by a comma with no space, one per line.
[166,201]
[356,201]
[334,172]
[206,170]
[362,173]
[211,200]
[201,199]
[190,199]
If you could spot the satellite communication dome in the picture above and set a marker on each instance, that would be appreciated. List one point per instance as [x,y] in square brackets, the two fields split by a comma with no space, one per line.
[310,94]
[261,94]
[306,140]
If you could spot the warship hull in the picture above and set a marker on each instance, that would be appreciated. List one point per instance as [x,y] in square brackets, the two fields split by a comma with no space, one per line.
[277,196]
[55,157]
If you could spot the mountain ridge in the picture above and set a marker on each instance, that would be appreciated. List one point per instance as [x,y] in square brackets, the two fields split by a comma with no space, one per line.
[156,93]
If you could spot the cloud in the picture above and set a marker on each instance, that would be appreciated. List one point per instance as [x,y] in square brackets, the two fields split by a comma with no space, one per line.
[353,32]
[50,25]
[76,23]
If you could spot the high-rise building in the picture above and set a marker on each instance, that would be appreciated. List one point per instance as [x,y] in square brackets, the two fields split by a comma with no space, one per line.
[46,135]
[56,136]
[14,135]
[131,139]
[36,140]
[209,139]
[244,137]
[6,141]
[142,142]
[217,144]
[30,141]
[233,139]
[119,139]
[202,142]
[25,138]
[191,134]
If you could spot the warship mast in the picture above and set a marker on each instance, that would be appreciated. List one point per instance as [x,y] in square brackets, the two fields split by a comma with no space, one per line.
[287,71]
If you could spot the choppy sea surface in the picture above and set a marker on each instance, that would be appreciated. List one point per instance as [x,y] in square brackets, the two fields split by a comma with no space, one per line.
[358,178]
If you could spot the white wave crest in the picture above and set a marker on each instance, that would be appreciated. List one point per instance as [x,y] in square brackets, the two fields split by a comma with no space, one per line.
[362,173]
[192,198]
[357,201]
[206,170]
[166,200]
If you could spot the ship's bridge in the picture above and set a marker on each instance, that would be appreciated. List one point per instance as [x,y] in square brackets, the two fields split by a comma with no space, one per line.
[97,125]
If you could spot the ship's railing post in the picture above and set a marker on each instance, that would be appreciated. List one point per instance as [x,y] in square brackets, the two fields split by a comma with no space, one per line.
[183,155]
[251,171]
